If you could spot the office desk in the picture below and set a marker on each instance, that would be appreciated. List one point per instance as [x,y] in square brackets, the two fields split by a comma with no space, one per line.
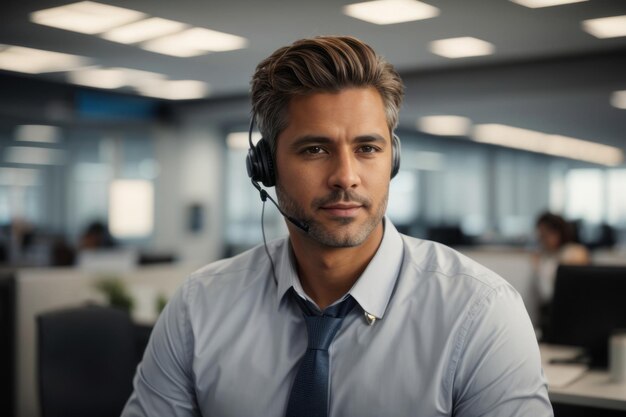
[592,388]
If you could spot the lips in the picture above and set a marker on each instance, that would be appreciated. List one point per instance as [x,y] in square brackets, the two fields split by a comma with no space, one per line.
[341,203]
[342,210]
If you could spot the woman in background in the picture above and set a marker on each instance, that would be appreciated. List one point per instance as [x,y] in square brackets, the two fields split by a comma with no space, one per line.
[557,247]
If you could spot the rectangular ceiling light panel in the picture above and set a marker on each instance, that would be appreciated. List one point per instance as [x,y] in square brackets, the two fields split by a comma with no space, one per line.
[143,30]
[111,78]
[175,89]
[171,47]
[86,17]
[37,61]
[606,27]
[535,4]
[98,77]
[387,12]
[618,99]
[444,125]
[195,41]
[556,145]
[462,47]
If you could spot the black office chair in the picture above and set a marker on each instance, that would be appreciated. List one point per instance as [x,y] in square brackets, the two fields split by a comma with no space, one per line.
[588,305]
[87,360]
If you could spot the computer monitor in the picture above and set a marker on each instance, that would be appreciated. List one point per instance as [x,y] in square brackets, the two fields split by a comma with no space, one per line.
[589,304]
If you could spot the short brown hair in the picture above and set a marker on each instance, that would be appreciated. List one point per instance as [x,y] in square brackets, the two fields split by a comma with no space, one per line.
[320,64]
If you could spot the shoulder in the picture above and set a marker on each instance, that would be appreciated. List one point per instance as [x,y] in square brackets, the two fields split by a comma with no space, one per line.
[574,254]
[434,261]
[476,311]
[454,288]
[233,275]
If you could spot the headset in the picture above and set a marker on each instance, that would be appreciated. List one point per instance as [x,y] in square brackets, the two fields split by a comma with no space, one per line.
[260,162]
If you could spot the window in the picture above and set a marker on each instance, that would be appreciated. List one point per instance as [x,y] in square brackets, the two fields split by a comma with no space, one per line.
[616,197]
[585,195]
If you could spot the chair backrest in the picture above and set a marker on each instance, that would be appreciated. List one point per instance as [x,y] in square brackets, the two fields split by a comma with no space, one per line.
[86,361]
[589,304]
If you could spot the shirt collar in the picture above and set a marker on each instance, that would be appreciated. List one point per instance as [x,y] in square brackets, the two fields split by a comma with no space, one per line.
[374,287]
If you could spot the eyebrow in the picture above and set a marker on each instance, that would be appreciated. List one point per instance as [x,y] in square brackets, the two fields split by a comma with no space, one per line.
[324,140]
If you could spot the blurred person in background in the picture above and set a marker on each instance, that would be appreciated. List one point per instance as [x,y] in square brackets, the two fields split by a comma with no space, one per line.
[96,236]
[557,246]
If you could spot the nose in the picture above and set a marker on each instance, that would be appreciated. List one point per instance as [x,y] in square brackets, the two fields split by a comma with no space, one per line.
[345,171]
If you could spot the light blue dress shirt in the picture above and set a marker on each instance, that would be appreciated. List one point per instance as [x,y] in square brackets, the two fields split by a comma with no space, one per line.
[451,338]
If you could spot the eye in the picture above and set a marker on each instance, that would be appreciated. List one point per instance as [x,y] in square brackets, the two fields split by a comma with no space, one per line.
[367,149]
[314,150]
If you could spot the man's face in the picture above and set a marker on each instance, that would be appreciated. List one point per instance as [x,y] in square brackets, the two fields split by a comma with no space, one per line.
[333,164]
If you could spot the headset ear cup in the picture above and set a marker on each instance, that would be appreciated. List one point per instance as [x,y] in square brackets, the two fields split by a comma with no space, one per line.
[252,165]
[395,158]
[266,163]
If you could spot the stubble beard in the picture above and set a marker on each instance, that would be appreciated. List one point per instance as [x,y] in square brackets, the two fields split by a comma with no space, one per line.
[338,237]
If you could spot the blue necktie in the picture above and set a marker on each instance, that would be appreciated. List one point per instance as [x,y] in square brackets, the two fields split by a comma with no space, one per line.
[309,393]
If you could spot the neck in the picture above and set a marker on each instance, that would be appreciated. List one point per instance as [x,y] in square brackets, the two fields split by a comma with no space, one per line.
[327,273]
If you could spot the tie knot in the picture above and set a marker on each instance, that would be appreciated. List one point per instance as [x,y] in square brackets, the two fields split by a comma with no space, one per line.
[322,328]
[341,309]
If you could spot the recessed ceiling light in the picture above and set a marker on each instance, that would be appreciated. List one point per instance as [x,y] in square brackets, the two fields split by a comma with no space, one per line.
[136,78]
[37,133]
[606,27]
[111,78]
[198,39]
[34,156]
[175,89]
[618,99]
[444,125]
[461,47]
[37,61]
[556,145]
[143,30]
[98,77]
[85,17]
[535,4]
[386,12]
[172,47]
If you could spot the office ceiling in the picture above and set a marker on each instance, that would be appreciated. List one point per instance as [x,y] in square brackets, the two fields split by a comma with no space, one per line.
[519,34]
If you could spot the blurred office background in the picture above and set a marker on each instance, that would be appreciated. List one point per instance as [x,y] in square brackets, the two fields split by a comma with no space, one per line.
[123,135]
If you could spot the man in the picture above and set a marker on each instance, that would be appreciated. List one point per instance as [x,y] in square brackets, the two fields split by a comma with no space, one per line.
[345,317]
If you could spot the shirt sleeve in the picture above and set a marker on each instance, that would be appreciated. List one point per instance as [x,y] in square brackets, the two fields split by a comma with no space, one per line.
[163,384]
[499,372]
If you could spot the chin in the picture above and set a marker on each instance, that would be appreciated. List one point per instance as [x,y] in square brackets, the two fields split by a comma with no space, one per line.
[346,234]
